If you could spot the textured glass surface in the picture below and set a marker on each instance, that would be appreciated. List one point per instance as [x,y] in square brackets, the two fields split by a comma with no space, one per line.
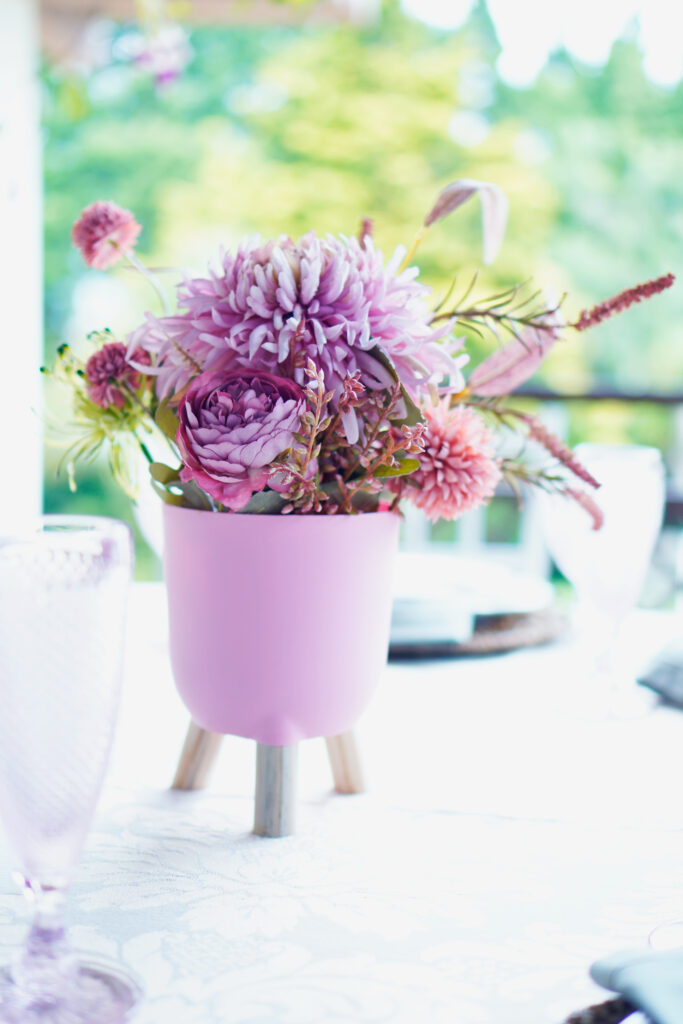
[63,586]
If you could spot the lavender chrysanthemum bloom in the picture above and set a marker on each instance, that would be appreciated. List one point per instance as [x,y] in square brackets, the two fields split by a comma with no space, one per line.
[332,300]
[232,428]
[109,375]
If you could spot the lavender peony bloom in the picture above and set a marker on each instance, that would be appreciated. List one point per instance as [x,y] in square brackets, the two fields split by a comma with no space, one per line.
[232,428]
[329,299]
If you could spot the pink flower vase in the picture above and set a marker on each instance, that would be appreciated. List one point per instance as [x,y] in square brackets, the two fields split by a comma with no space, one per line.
[279,625]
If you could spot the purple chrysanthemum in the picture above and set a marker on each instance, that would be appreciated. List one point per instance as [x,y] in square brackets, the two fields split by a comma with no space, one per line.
[273,306]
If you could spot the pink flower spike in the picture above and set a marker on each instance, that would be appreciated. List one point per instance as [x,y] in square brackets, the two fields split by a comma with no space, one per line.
[622,301]
[104,233]
[494,210]
[587,504]
[558,449]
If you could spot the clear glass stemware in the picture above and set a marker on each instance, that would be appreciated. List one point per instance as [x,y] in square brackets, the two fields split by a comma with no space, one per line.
[607,567]
[63,587]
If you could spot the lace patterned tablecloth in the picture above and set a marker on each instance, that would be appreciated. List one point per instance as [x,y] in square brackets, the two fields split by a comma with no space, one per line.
[505,844]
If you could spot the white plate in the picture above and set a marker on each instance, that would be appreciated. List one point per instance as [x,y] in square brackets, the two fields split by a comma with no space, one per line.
[479,586]
[437,596]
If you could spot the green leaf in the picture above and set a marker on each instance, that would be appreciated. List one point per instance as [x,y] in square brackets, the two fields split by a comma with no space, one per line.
[166,496]
[166,420]
[162,473]
[404,467]
[413,414]
[384,359]
[365,502]
[185,495]
[193,496]
[361,501]
[264,503]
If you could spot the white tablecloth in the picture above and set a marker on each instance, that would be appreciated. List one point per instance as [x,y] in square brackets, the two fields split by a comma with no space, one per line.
[506,842]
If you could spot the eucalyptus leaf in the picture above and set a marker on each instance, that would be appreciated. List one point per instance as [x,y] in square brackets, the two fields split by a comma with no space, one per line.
[264,503]
[404,467]
[192,496]
[162,473]
[166,420]
[166,496]
[184,495]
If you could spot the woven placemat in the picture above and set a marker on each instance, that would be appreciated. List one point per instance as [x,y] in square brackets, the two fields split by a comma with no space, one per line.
[493,634]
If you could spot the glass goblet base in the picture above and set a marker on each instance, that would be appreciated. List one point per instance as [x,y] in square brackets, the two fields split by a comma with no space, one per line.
[95,992]
[667,936]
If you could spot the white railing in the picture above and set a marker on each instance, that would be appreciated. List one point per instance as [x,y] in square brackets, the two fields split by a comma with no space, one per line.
[21,291]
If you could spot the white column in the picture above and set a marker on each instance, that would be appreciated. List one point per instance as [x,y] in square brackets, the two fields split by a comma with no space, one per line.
[21,264]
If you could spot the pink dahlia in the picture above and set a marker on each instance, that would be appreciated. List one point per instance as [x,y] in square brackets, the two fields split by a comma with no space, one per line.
[104,232]
[458,467]
[109,375]
[232,428]
[273,306]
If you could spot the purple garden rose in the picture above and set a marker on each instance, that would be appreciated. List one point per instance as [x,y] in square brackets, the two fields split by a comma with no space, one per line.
[232,428]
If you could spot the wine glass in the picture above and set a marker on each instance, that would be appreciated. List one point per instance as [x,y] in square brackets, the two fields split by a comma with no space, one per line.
[63,587]
[607,567]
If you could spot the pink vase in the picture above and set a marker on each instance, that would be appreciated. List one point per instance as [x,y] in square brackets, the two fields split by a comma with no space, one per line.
[279,625]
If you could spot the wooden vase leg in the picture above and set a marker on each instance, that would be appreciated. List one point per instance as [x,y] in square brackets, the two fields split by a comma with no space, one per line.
[347,771]
[197,758]
[275,803]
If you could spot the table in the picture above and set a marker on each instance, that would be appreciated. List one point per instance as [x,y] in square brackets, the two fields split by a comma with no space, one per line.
[505,844]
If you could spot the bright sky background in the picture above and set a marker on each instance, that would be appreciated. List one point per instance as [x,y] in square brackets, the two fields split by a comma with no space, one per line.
[529,30]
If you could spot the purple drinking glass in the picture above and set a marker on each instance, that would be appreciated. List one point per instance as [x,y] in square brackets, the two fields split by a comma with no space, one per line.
[63,588]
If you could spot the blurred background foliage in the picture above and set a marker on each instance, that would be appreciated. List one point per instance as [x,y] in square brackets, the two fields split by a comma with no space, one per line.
[279,130]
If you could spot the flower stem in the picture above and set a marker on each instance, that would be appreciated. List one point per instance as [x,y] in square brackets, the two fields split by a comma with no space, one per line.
[413,249]
[150,278]
[145,451]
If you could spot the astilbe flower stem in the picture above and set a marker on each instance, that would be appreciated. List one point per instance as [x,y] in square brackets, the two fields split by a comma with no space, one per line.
[622,301]
[557,448]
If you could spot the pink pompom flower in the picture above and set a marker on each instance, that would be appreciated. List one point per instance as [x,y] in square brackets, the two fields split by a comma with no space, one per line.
[458,467]
[233,426]
[104,233]
[109,375]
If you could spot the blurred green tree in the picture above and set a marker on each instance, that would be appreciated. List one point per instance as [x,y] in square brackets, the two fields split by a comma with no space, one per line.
[280,130]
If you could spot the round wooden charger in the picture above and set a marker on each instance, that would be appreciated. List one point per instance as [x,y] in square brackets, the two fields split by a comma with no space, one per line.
[493,634]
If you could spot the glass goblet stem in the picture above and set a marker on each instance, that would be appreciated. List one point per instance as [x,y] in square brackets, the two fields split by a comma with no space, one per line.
[46,963]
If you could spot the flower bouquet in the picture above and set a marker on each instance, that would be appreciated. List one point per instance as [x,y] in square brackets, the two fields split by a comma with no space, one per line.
[311,377]
[304,390]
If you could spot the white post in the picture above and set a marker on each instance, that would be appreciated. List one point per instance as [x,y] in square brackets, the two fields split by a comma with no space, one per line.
[21,264]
